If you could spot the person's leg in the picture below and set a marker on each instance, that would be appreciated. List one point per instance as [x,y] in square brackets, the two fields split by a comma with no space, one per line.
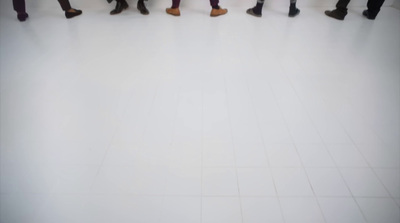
[142,7]
[341,10]
[214,4]
[19,7]
[175,4]
[174,10]
[341,5]
[65,5]
[374,6]
[293,10]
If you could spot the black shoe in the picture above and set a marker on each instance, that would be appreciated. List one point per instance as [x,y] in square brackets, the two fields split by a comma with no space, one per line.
[22,16]
[293,12]
[142,8]
[368,15]
[336,14]
[76,12]
[121,5]
[251,12]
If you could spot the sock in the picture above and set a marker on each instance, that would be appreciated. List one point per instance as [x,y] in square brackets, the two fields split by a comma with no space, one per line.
[293,5]
[215,7]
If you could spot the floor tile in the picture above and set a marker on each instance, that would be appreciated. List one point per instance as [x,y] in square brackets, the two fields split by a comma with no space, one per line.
[327,182]
[363,182]
[291,182]
[255,182]
[261,209]
[379,209]
[220,182]
[221,209]
[301,210]
[341,209]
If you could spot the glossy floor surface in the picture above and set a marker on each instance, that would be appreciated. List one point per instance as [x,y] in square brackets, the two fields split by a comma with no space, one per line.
[192,119]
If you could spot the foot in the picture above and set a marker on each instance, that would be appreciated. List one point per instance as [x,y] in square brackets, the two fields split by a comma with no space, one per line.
[173,11]
[218,12]
[293,12]
[336,14]
[251,12]
[368,15]
[142,8]
[22,16]
[119,7]
[72,13]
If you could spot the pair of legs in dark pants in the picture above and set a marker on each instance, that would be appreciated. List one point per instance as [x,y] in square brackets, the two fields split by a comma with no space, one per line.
[256,10]
[19,5]
[20,8]
[122,5]
[216,10]
[374,6]
[175,3]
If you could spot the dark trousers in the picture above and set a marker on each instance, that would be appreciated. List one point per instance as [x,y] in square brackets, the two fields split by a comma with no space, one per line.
[374,6]
[19,5]
[175,3]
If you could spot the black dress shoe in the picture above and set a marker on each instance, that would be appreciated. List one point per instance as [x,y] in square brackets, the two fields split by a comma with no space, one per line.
[293,11]
[121,5]
[368,15]
[336,14]
[72,14]
[22,16]
[142,8]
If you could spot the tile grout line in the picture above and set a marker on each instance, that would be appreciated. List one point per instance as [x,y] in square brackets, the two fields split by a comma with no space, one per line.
[233,147]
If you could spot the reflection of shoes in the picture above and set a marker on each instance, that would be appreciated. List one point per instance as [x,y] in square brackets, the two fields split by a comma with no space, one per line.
[293,12]
[142,8]
[218,12]
[336,14]
[173,11]
[22,16]
[368,15]
[74,13]
[251,12]
[121,5]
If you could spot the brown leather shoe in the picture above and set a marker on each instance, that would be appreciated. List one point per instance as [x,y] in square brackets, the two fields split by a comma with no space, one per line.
[218,12]
[173,11]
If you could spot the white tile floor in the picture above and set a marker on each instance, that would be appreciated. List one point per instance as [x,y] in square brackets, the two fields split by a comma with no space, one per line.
[236,119]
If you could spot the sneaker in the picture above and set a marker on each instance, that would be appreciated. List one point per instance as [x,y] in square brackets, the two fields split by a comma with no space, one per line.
[336,14]
[251,12]
[173,11]
[218,12]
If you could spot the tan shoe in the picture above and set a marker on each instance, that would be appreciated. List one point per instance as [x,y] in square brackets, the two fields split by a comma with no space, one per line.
[218,12]
[173,11]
